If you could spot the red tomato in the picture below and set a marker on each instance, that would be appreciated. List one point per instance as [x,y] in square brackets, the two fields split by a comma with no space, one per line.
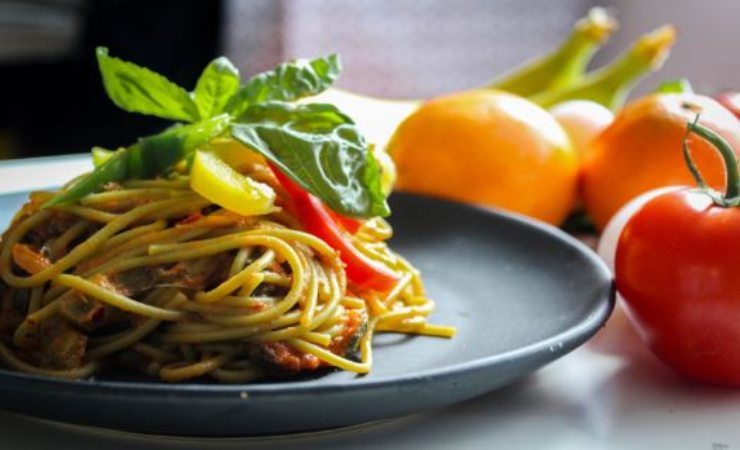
[677,263]
[731,101]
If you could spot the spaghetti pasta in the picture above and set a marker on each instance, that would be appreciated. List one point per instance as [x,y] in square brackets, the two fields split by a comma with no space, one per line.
[227,246]
[149,275]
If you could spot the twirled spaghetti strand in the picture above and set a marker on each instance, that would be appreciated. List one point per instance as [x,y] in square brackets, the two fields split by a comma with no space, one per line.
[152,276]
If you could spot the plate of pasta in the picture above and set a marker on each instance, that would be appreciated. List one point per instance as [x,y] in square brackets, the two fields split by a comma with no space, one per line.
[237,273]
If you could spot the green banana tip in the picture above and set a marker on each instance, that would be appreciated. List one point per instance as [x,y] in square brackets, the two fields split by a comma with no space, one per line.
[656,45]
[598,24]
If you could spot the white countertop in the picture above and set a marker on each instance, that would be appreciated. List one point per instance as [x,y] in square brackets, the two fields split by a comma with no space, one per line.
[609,394]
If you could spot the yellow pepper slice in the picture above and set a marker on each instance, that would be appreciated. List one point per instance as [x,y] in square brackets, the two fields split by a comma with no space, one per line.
[234,153]
[218,182]
[387,170]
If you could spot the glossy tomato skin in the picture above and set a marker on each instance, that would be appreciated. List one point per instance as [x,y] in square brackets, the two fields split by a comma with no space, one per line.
[678,268]
[731,101]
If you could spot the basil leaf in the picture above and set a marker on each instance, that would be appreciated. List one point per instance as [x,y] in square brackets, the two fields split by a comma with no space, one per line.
[287,82]
[137,89]
[216,85]
[149,157]
[321,149]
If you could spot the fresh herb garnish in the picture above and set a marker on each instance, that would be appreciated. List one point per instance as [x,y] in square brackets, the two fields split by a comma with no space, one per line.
[287,82]
[216,86]
[316,145]
[137,89]
[321,149]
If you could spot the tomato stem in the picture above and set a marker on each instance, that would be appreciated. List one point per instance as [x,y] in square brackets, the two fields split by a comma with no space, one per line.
[732,177]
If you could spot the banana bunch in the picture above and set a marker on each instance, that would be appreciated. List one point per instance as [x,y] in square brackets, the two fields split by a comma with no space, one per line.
[547,80]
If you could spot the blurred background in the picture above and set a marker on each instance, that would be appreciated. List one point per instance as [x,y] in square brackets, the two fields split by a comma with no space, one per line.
[52,100]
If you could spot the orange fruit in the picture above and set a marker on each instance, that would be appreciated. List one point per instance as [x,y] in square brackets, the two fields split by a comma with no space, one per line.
[490,148]
[642,150]
[583,120]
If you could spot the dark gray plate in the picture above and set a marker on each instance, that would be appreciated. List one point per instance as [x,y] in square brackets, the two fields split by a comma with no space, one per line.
[521,295]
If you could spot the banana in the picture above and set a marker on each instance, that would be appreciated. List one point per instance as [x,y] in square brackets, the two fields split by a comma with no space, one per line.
[566,64]
[610,84]
[378,118]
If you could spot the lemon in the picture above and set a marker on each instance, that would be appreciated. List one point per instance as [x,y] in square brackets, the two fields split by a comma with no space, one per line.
[489,148]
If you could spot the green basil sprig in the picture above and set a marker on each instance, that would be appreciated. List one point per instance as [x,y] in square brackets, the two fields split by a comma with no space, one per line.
[138,89]
[314,144]
[321,149]
[216,86]
[287,82]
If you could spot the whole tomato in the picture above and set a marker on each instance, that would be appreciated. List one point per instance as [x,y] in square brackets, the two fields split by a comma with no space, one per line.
[676,268]
[731,101]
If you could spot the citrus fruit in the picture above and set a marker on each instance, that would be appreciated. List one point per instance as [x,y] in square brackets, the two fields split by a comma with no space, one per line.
[490,148]
[642,150]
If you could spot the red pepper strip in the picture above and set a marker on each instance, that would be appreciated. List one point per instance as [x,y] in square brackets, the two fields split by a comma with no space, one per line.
[317,220]
[192,218]
[348,223]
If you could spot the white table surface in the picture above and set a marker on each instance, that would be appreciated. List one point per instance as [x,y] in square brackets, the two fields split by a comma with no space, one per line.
[609,394]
